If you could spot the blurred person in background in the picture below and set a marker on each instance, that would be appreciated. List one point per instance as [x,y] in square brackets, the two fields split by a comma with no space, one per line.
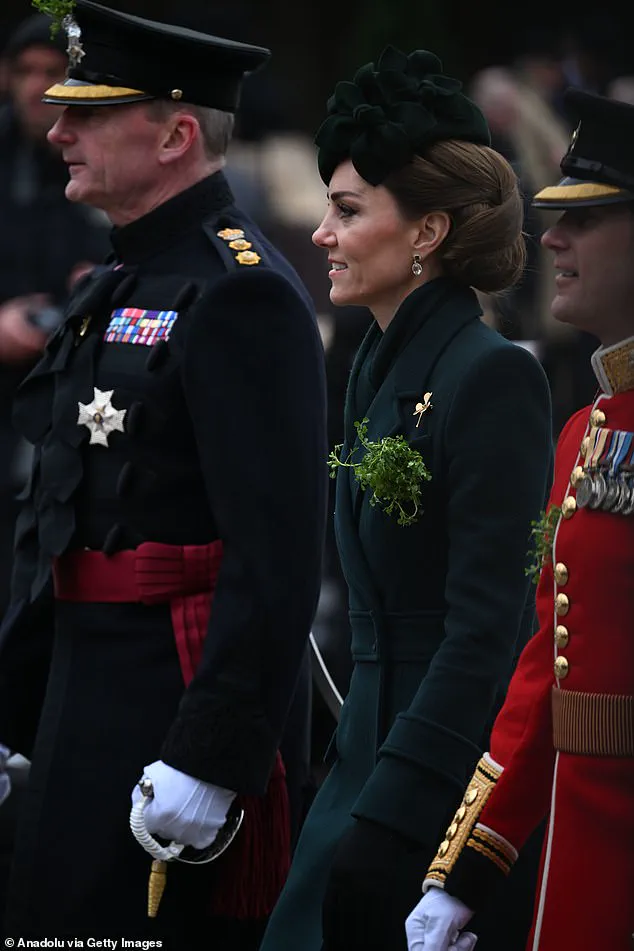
[46,243]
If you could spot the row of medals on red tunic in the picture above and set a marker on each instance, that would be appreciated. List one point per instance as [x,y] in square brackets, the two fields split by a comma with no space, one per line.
[608,485]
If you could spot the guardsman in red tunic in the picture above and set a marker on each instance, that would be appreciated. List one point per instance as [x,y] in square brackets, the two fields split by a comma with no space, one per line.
[563,744]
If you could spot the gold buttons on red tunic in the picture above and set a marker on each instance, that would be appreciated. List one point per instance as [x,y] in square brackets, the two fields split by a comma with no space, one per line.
[561,636]
[561,573]
[562,604]
[569,506]
[443,848]
[561,668]
[597,417]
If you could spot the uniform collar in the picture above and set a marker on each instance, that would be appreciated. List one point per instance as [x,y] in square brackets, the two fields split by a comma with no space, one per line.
[164,225]
[614,367]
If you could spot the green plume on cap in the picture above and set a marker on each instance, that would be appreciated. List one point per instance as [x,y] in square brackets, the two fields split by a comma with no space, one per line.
[58,9]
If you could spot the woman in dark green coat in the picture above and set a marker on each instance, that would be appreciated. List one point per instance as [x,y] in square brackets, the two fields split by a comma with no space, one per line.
[434,529]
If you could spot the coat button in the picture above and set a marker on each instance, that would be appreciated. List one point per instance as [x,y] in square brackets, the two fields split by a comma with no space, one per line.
[134,422]
[561,636]
[562,604]
[561,668]
[470,796]
[125,480]
[156,356]
[443,849]
[597,417]
[451,831]
[114,540]
[569,506]
[460,814]
[577,474]
[585,445]
[561,573]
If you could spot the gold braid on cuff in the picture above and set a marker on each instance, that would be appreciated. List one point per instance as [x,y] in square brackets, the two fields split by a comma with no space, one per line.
[463,830]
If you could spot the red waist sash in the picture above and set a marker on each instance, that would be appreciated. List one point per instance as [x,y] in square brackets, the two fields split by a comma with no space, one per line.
[184,576]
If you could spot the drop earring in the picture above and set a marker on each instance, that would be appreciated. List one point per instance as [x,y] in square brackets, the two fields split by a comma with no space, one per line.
[417,266]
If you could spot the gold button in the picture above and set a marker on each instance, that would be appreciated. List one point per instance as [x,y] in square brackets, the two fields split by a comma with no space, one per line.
[461,814]
[561,573]
[470,796]
[562,604]
[577,475]
[176,94]
[443,849]
[451,831]
[561,636]
[569,506]
[561,668]
[585,445]
[597,417]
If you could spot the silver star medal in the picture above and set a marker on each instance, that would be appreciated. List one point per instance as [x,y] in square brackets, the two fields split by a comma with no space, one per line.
[100,417]
[74,49]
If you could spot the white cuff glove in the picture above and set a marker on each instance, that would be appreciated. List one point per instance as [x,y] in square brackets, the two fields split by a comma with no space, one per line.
[184,809]
[5,779]
[436,922]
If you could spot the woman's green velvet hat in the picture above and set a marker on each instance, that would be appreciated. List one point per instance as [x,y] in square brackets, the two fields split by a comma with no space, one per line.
[393,111]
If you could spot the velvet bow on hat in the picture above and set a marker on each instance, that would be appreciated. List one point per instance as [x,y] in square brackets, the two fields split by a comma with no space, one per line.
[392,111]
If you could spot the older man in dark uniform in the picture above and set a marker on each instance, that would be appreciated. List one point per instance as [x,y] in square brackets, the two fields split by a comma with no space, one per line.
[176,508]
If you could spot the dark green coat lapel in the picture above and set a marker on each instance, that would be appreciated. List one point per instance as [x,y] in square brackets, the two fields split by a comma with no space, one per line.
[402,361]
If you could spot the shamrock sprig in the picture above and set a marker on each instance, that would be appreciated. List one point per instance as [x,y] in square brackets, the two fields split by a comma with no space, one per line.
[543,534]
[391,469]
[58,9]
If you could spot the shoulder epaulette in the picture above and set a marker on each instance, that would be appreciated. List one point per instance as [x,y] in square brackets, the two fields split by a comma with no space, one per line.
[236,245]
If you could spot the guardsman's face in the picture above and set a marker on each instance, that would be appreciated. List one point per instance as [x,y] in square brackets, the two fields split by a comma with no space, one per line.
[593,251]
[369,245]
[112,156]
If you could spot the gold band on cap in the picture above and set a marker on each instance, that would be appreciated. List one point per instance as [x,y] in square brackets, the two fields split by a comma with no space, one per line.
[84,92]
[583,190]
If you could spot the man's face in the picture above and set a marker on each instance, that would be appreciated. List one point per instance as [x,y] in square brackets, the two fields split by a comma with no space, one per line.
[112,156]
[30,75]
[594,258]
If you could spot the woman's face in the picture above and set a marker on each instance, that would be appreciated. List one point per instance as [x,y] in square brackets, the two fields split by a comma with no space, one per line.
[370,245]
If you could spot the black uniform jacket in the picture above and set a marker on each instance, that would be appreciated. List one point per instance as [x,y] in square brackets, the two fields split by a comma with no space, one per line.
[224,438]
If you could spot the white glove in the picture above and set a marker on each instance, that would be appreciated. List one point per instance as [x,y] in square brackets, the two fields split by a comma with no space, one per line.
[5,779]
[436,922]
[184,809]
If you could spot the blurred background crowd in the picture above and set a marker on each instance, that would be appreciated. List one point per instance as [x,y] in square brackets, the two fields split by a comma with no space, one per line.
[515,64]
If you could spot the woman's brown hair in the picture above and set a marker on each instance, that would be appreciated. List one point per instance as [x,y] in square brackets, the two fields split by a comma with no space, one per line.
[479,190]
